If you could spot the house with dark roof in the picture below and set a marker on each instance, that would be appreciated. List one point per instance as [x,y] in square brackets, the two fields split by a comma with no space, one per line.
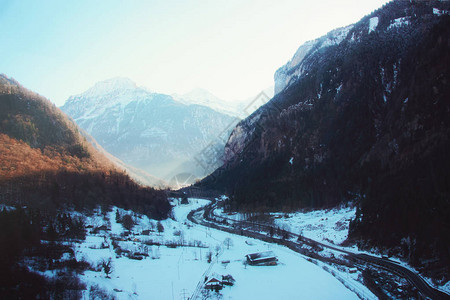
[267,258]
[213,283]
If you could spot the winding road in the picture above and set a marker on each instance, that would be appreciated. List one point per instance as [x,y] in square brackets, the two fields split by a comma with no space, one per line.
[205,216]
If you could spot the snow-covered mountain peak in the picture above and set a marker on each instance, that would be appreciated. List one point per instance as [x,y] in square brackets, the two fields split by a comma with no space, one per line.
[111,85]
[199,96]
[147,130]
[107,93]
[203,97]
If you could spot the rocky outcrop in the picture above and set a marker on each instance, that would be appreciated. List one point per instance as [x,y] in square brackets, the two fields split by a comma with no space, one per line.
[291,71]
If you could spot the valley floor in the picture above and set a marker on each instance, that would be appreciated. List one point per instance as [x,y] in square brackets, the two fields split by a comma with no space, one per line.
[327,226]
[176,272]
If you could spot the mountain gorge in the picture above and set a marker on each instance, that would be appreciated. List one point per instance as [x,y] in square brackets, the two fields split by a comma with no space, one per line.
[360,115]
[148,130]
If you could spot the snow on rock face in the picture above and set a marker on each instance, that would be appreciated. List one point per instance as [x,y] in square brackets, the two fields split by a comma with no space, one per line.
[110,85]
[240,108]
[103,95]
[373,23]
[203,97]
[148,130]
[439,12]
[399,22]
[295,67]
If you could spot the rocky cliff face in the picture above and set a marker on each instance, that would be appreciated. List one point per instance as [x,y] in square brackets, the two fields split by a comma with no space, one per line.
[147,130]
[291,71]
[321,70]
[359,115]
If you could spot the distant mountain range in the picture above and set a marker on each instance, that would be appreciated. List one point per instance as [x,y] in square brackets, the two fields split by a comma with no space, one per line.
[360,115]
[239,108]
[152,131]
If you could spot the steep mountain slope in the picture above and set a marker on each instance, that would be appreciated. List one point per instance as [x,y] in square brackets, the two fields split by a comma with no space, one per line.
[147,130]
[47,163]
[361,115]
[138,175]
[33,120]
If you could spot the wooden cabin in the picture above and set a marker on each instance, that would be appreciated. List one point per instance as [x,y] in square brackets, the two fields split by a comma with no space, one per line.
[267,258]
[213,284]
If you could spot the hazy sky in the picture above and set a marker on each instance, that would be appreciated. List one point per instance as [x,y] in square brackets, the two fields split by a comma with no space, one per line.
[231,47]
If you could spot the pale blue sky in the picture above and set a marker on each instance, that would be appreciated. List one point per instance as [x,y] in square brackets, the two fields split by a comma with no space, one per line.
[229,47]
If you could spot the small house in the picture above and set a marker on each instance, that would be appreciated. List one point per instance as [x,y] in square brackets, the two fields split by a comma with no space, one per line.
[213,284]
[267,258]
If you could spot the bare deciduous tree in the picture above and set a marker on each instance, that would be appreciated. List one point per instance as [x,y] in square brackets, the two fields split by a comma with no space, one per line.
[107,266]
[228,242]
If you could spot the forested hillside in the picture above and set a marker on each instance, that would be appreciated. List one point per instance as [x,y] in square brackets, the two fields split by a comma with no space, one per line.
[361,116]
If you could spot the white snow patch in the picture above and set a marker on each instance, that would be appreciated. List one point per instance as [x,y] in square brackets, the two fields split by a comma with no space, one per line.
[439,12]
[6,207]
[373,23]
[321,225]
[326,225]
[399,22]
[446,287]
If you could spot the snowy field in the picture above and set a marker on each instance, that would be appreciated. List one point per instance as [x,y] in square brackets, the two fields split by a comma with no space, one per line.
[327,225]
[172,273]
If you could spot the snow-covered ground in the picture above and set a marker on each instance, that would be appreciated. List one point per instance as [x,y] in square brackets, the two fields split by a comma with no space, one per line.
[172,273]
[330,227]
[327,225]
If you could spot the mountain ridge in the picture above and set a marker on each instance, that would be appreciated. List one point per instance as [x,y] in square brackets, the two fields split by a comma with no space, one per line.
[146,130]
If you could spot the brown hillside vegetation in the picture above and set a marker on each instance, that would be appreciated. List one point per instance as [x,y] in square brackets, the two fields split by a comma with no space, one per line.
[30,118]
[19,159]
[46,162]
